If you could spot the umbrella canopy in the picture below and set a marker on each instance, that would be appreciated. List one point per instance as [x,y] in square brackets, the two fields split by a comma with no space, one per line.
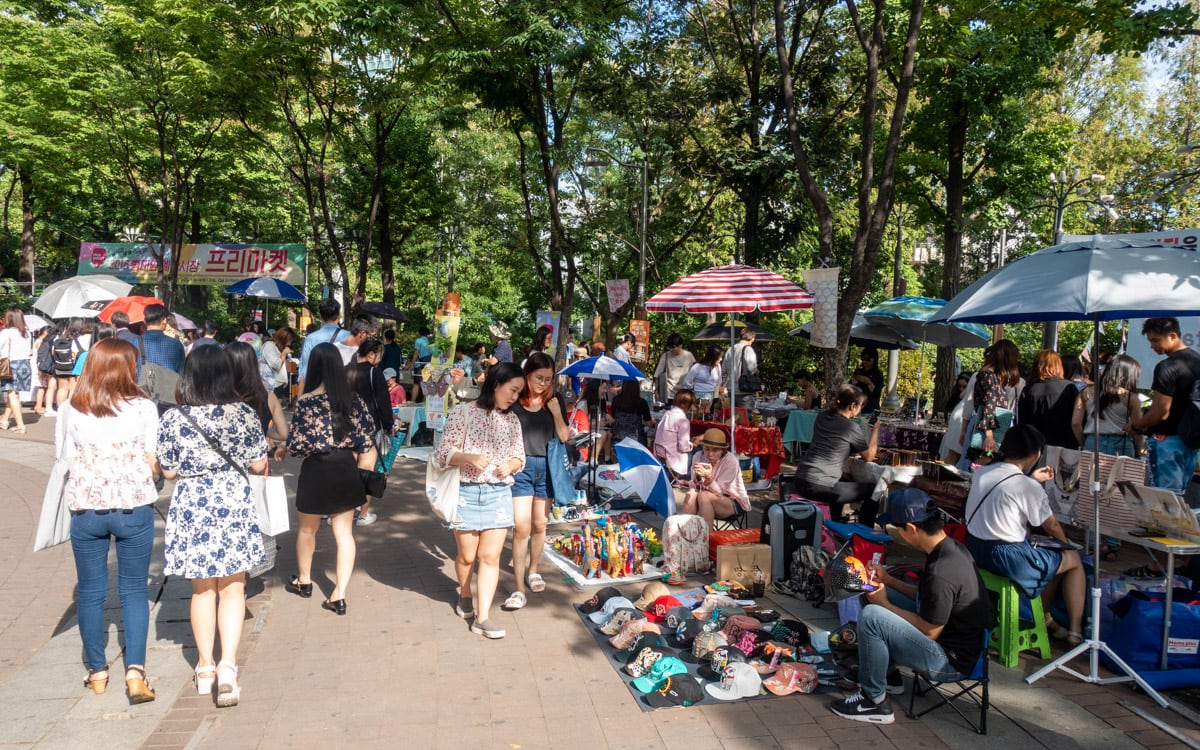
[731,289]
[910,316]
[863,333]
[266,288]
[722,332]
[70,298]
[184,324]
[134,307]
[384,310]
[602,368]
[646,475]
[35,322]
[1104,278]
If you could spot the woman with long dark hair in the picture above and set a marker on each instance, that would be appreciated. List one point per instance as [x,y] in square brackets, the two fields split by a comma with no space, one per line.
[109,430]
[331,431]
[368,382]
[483,438]
[253,393]
[15,344]
[630,413]
[543,415]
[212,535]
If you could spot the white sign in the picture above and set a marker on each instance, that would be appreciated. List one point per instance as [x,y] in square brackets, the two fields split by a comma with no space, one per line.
[1183,645]
[618,293]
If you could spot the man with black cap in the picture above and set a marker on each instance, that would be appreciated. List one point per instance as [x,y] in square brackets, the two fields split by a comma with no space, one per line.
[943,637]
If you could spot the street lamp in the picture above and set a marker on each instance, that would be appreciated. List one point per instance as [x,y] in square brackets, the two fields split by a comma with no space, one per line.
[645,166]
[1069,189]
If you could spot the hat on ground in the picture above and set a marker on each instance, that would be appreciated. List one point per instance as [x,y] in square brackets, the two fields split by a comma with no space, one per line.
[792,632]
[630,633]
[721,657]
[715,437]
[499,329]
[792,677]
[909,505]
[705,643]
[658,610]
[389,373]
[738,681]
[650,592]
[680,690]
[711,603]
[737,625]
[685,635]
[676,616]
[749,641]
[645,659]
[618,620]
[610,608]
[642,641]
[771,655]
[598,599]
[662,669]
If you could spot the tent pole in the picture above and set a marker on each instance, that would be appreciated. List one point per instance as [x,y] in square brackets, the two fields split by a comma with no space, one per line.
[732,387]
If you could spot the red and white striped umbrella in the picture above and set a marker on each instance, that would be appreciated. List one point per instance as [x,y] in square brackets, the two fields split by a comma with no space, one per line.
[731,289]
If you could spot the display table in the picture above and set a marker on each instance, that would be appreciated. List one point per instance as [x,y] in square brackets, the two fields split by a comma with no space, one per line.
[764,442]
[412,416]
[913,437]
[1172,547]
[799,428]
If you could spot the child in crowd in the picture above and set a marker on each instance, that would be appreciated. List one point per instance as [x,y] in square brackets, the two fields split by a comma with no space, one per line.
[395,390]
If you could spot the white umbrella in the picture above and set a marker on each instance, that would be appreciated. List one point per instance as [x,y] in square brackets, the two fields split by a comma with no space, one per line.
[80,296]
[35,322]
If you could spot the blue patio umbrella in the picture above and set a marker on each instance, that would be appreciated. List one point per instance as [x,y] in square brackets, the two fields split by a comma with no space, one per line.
[602,368]
[267,288]
[646,475]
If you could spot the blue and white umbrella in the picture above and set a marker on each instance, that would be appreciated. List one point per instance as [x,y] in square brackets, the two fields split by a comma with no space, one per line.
[267,288]
[646,475]
[910,316]
[602,368]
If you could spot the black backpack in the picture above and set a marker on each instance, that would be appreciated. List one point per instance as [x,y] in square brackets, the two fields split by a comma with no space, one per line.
[45,356]
[63,353]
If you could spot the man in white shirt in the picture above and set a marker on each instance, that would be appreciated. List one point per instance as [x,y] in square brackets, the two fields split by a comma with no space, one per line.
[624,348]
[363,327]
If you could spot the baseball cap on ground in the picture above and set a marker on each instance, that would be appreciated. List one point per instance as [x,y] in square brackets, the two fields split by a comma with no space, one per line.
[676,616]
[618,620]
[792,677]
[609,608]
[749,641]
[598,599]
[630,633]
[910,505]
[771,655]
[711,603]
[686,633]
[645,659]
[791,632]
[650,592]
[739,624]
[738,681]
[642,641]
[705,643]
[662,669]
[722,656]
[657,611]
[680,690]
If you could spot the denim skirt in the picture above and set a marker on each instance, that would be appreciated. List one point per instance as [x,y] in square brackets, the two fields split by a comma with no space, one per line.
[483,506]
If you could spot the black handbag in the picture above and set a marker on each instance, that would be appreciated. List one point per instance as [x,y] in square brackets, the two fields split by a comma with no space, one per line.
[374,482]
[748,382]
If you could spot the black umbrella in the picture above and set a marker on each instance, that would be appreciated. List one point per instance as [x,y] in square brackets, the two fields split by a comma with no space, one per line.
[720,332]
[384,310]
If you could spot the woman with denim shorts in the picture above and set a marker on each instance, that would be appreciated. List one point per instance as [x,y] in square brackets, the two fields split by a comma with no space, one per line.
[483,439]
[542,414]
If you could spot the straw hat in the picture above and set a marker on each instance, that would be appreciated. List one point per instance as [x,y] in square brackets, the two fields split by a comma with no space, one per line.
[499,329]
[715,438]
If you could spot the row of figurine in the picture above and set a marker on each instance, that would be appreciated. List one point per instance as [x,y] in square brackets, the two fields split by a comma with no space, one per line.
[614,548]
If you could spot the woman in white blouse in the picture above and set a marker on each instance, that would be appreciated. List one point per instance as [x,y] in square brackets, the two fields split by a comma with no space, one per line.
[109,430]
[483,439]
[673,437]
[704,379]
[15,344]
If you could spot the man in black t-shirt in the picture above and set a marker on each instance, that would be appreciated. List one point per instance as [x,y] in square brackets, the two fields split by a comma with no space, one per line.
[943,637]
[1172,463]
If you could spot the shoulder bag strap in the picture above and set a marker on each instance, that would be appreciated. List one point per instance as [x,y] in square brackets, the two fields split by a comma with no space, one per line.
[142,354]
[212,444]
[987,495]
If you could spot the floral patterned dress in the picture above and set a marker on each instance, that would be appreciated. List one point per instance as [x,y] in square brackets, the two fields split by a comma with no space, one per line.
[212,524]
[329,482]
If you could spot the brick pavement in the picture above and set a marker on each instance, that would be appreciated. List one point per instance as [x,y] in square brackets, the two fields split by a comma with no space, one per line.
[402,670]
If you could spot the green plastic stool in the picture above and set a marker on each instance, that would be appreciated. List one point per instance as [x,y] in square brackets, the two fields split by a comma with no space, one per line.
[1010,636]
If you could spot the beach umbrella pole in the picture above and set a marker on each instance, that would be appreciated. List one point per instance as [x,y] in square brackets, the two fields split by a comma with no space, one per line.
[732,387]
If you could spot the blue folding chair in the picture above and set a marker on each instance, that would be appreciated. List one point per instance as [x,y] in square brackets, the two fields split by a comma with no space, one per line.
[973,686]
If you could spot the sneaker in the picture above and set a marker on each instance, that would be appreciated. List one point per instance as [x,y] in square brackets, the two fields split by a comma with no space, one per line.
[50,413]
[895,683]
[859,707]
[465,608]
[367,520]
[487,630]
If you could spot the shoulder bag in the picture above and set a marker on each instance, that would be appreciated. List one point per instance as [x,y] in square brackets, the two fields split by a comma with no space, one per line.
[748,382]
[442,490]
[6,364]
[54,523]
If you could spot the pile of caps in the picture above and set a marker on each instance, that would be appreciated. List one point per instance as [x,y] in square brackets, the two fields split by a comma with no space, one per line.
[608,546]
[678,656]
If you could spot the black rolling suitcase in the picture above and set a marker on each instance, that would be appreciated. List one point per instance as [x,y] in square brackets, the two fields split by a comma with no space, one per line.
[787,526]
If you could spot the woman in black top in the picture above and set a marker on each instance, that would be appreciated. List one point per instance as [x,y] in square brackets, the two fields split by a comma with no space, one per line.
[366,380]
[869,378]
[1048,402]
[630,413]
[543,415]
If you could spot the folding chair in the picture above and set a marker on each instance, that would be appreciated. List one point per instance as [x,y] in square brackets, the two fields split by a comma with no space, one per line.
[739,520]
[973,686]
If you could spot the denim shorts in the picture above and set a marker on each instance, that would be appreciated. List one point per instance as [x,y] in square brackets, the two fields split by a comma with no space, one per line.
[533,479]
[483,506]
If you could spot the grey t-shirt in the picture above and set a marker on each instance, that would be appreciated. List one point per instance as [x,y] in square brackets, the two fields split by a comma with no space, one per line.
[835,438]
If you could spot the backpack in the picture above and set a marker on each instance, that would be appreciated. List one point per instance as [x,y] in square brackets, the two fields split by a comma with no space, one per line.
[806,580]
[63,353]
[45,356]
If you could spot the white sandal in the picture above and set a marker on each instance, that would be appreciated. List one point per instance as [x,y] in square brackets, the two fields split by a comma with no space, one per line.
[515,600]
[537,584]
[205,677]
[228,691]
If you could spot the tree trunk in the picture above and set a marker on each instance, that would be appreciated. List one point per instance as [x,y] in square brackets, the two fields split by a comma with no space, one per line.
[28,221]
[386,261]
[952,232]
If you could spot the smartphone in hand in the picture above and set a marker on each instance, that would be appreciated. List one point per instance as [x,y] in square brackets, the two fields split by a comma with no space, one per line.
[874,418]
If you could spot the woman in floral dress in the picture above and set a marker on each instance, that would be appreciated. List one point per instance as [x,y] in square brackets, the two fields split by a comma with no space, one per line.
[333,432]
[212,534]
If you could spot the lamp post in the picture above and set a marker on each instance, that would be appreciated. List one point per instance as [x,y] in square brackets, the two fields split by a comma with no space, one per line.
[645,167]
[1067,189]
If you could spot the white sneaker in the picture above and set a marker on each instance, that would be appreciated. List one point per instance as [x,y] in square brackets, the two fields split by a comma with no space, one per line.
[366,520]
[50,413]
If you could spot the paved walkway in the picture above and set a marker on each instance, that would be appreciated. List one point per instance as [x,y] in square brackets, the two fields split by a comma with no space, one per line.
[402,671]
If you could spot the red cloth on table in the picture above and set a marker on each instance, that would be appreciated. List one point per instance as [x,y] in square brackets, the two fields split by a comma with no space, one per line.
[765,442]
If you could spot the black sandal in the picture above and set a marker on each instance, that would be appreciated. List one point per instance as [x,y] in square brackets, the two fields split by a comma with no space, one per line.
[299,589]
[1144,571]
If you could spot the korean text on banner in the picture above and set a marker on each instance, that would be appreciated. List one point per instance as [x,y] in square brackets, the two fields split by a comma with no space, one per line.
[198,264]
[618,293]
[822,284]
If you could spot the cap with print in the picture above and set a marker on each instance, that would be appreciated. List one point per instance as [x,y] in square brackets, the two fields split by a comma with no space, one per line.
[609,609]
[910,505]
[791,632]
[598,599]
[738,681]
[650,592]
[680,690]
[645,659]
[657,612]
[676,616]
[630,633]
[737,625]
[749,641]
[644,640]
[713,602]
[792,677]
[662,669]
[706,643]
[771,655]
[686,633]
[618,620]
[721,657]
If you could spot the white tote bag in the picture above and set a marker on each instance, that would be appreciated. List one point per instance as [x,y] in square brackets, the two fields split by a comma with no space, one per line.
[270,495]
[54,524]
[441,487]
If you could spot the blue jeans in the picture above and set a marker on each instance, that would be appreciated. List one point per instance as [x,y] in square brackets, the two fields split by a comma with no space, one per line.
[133,531]
[886,638]
[1171,462]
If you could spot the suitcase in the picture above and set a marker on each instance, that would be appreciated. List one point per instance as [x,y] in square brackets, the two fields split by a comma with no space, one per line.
[786,526]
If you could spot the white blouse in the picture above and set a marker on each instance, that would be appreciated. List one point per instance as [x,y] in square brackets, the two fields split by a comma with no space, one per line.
[473,429]
[108,456]
[15,346]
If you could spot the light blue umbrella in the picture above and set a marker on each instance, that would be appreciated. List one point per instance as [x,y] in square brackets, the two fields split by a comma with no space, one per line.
[910,316]
[602,368]
[646,475]
[267,288]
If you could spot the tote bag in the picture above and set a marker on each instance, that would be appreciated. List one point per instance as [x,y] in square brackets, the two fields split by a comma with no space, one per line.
[441,489]
[54,524]
[561,484]
[270,496]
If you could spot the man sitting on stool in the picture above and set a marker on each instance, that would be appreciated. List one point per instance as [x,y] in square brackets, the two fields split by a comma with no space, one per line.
[943,636]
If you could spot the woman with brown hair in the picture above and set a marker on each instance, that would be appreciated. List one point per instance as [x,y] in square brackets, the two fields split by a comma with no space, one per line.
[273,362]
[1048,402]
[17,347]
[109,430]
[998,386]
